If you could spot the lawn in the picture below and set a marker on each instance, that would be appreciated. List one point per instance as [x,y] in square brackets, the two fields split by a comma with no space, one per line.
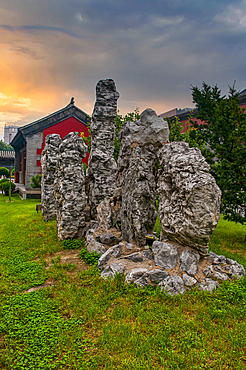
[84,322]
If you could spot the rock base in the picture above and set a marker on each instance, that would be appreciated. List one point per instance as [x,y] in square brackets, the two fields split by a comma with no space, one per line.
[173,267]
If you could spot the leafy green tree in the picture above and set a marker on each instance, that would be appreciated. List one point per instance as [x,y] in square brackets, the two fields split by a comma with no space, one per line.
[190,136]
[4,172]
[223,128]
[5,147]
[5,186]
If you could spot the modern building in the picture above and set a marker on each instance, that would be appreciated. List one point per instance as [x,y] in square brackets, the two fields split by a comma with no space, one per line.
[9,133]
[30,141]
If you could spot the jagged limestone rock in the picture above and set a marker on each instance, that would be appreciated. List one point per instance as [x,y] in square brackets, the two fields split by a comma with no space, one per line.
[49,160]
[189,198]
[104,213]
[189,280]
[189,262]
[140,142]
[70,188]
[166,255]
[92,245]
[172,285]
[102,166]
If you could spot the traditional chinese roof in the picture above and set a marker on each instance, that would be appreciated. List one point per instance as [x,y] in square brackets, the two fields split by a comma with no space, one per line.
[31,128]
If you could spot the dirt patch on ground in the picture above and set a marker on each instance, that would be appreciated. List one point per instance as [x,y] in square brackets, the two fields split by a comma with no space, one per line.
[67,257]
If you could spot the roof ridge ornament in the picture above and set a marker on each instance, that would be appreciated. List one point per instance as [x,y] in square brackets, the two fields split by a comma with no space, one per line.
[72,101]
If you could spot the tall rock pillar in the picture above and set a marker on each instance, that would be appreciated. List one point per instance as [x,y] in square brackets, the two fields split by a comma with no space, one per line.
[140,143]
[70,188]
[102,166]
[49,160]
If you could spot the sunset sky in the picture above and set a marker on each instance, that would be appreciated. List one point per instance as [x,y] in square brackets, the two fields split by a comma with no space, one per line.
[52,50]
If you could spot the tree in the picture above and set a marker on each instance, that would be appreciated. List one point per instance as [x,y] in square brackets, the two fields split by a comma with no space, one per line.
[224,131]
[190,136]
[5,147]
[4,172]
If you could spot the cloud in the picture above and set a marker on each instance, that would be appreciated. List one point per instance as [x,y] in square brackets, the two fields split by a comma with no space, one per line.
[79,17]
[39,27]
[52,50]
[234,16]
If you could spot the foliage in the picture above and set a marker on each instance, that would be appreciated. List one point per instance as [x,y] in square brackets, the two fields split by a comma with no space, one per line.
[119,122]
[73,243]
[190,136]
[85,322]
[5,147]
[87,140]
[5,186]
[224,131]
[36,181]
[90,257]
[4,172]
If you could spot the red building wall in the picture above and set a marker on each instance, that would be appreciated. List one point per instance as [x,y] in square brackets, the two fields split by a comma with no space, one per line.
[63,128]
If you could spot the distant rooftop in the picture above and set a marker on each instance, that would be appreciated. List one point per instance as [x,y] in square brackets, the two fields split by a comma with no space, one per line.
[175,112]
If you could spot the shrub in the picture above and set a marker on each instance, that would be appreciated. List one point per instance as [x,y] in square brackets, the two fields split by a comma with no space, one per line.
[90,257]
[5,187]
[36,181]
[4,172]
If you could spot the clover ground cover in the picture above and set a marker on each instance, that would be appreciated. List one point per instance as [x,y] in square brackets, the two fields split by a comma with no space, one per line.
[84,322]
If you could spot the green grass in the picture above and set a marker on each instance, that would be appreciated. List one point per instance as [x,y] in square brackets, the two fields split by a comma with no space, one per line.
[85,322]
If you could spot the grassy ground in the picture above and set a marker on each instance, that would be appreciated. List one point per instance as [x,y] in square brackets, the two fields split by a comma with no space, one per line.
[84,322]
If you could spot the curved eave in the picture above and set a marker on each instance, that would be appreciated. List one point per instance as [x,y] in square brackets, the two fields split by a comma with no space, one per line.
[18,140]
[54,118]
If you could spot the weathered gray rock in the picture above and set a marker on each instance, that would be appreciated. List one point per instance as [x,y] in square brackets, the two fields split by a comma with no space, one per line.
[142,281]
[172,285]
[189,198]
[235,271]
[230,262]
[189,261]
[156,275]
[93,225]
[134,257]
[112,270]
[69,188]
[208,271]
[113,251]
[108,239]
[49,161]
[189,280]
[107,272]
[209,285]
[135,274]
[165,254]
[220,276]
[102,166]
[92,245]
[140,142]
[148,254]
[104,214]
[117,267]
[129,246]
